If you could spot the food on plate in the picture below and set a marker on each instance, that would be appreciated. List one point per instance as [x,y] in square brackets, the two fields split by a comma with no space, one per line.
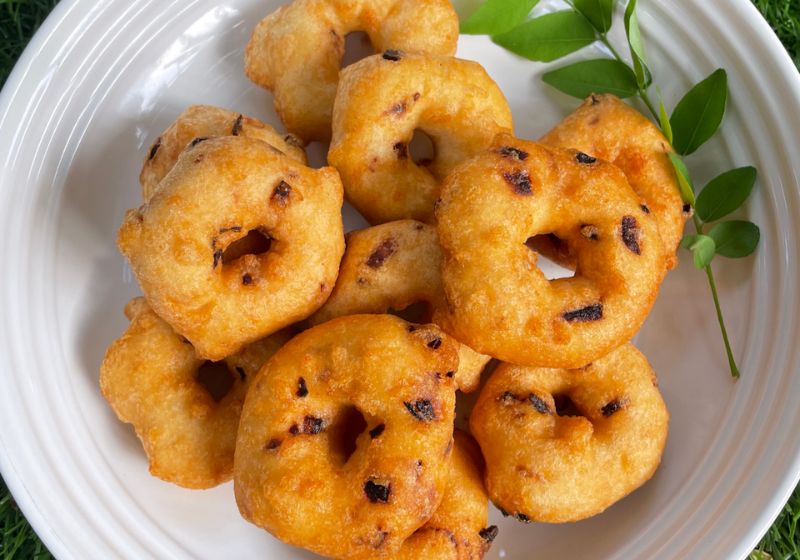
[184,244]
[184,410]
[381,101]
[200,122]
[458,528]
[296,52]
[341,440]
[499,302]
[563,445]
[607,128]
[345,439]
[396,266]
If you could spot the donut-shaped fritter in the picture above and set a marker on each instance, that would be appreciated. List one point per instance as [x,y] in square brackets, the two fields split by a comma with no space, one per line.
[185,410]
[609,129]
[200,122]
[303,474]
[394,266]
[296,52]
[458,528]
[181,244]
[563,445]
[381,101]
[499,302]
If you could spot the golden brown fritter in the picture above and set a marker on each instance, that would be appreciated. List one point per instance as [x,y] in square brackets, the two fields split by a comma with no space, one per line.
[153,379]
[296,52]
[396,266]
[381,102]
[499,301]
[345,440]
[563,445]
[182,244]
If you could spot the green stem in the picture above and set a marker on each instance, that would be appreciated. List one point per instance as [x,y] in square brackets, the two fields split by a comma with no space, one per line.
[731,361]
[642,93]
[607,43]
[646,98]
[712,283]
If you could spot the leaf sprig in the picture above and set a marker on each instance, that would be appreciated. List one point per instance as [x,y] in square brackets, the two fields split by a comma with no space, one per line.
[694,120]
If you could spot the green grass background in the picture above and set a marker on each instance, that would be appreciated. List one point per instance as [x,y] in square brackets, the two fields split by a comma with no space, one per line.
[18,21]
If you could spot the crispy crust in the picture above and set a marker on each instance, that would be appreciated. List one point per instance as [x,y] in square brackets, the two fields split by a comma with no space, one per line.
[296,52]
[220,190]
[293,476]
[391,267]
[499,302]
[609,129]
[554,468]
[379,105]
[149,376]
[458,528]
[205,121]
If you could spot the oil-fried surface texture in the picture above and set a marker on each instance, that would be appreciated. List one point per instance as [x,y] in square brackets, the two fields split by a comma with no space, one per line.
[499,301]
[563,445]
[220,191]
[150,378]
[458,530]
[203,122]
[298,473]
[607,128]
[379,105]
[396,266]
[296,52]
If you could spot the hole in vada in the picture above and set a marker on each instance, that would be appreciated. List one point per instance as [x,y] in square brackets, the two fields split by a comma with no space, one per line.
[345,431]
[215,378]
[356,46]
[552,250]
[418,312]
[317,153]
[565,406]
[254,243]
[421,148]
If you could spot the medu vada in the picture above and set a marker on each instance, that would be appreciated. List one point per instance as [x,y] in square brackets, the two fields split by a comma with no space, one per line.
[458,529]
[381,101]
[296,52]
[345,440]
[203,122]
[563,445]
[396,267]
[607,128]
[499,302]
[185,410]
[182,244]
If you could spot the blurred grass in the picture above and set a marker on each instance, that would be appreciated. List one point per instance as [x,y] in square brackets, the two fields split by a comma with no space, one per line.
[784,17]
[19,19]
[782,542]
[17,539]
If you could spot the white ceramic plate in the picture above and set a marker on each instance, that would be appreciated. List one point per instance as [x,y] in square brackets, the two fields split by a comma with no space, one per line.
[103,77]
